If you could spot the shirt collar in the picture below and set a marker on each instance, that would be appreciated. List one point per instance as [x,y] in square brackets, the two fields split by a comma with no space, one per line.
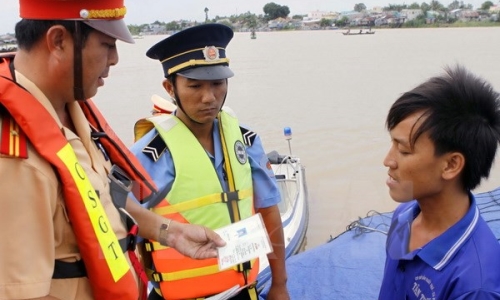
[438,252]
[38,94]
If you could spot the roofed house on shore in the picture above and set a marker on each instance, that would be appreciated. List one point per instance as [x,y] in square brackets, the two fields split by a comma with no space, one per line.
[411,14]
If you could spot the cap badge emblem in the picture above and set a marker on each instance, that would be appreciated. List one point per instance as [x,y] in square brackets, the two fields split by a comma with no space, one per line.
[211,53]
[84,14]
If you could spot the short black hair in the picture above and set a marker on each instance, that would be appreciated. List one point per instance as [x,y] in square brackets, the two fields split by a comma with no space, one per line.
[461,113]
[28,31]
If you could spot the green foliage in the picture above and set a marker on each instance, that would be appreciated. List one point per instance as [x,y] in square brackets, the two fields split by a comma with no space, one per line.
[134,29]
[227,24]
[486,5]
[342,21]
[436,5]
[432,5]
[249,20]
[396,7]
[273,11]
[454,5]
[359,7]
[415,23]
[325,23]
[414,5]
[206,14]
[173,26]
[425,7]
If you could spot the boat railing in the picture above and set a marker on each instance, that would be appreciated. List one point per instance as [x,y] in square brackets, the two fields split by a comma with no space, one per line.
[288,182]
[289,193]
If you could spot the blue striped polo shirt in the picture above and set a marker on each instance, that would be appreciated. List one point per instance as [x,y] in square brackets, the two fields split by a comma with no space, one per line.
[461,263]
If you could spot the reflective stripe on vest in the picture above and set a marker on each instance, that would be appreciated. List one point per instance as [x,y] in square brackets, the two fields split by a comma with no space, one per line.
[197,197]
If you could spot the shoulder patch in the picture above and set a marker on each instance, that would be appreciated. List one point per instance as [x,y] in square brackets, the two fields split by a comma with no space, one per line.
[13,141]
[248,136]
[155,148]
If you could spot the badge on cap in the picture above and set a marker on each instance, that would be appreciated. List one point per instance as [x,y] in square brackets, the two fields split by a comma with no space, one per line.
[84,14]
[211,53]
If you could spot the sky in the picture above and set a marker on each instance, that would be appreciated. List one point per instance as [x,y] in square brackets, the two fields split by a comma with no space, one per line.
[147,11]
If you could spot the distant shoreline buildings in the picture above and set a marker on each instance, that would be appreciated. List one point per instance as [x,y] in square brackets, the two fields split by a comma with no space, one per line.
[393,16]
[8,43]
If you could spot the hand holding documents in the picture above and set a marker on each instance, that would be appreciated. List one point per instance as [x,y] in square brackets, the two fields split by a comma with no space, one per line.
[245,240]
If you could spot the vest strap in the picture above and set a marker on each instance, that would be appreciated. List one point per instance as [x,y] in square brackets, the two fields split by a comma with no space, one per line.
[77,269]
[202,201]
[151,246]
[252,292]
[64,269]
[251,289]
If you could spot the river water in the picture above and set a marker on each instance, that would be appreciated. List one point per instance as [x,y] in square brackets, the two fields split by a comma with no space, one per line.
[332,90]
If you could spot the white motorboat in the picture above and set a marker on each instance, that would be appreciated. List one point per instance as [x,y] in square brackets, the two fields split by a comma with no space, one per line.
[290,175]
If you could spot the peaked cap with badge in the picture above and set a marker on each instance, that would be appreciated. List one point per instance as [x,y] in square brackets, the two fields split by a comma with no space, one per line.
[197,52]
[105,16]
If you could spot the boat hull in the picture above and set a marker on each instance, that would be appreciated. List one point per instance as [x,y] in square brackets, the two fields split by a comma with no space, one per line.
[357,33]
[294,212]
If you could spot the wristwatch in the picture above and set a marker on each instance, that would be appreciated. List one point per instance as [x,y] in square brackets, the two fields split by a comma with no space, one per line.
[162,237]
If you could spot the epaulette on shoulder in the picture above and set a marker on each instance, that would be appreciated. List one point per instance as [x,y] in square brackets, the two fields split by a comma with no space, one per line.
[248,136]
[13,141]
[155,148]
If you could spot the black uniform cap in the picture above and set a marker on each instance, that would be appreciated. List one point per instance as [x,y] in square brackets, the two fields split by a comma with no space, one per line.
[197,52]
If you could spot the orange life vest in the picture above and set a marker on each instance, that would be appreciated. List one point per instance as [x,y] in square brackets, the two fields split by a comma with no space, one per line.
[144,187]
[108,271]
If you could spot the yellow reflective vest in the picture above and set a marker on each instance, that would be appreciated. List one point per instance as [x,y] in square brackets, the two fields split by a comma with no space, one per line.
[197,197]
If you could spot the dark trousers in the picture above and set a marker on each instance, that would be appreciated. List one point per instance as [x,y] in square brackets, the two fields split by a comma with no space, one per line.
[241,296]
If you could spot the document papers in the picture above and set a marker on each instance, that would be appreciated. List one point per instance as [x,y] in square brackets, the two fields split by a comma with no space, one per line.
[245,240]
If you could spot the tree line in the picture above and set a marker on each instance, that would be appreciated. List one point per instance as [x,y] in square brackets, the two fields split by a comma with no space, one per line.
[272,11]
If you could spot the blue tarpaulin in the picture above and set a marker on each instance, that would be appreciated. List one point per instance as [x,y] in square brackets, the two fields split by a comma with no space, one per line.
[351,265]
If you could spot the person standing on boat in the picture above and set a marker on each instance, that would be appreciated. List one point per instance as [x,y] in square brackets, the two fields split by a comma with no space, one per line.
[445,133]
[216,170]
[68,228]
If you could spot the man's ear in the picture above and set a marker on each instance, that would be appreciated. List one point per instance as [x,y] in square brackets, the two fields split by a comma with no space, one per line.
[168,86]
[57,39]
[453,165]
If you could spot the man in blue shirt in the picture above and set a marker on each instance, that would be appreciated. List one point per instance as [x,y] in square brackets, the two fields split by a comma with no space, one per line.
[445,134]
[216,171]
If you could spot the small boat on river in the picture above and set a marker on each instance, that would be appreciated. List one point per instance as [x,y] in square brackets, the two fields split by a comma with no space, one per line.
[348,32]
[290,175]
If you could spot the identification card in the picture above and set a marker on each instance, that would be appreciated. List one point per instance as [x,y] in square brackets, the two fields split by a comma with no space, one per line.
[245,240]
